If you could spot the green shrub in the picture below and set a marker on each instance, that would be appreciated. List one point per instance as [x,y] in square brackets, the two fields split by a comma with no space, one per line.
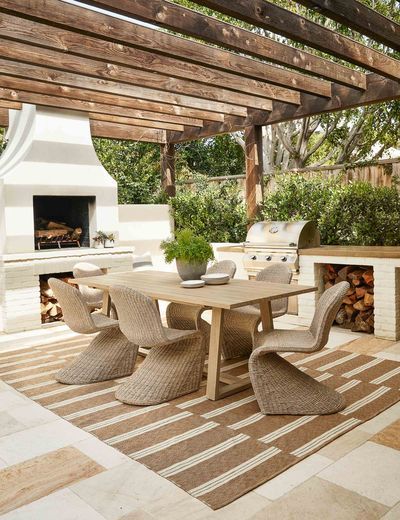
[216,212]
[188,247]
[352,214]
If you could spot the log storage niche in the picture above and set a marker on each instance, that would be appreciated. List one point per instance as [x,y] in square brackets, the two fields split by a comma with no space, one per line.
[50,310]
[357,310]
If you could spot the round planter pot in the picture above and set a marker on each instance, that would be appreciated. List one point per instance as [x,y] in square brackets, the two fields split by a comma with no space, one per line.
[98,245]
[109,243]
[191,271]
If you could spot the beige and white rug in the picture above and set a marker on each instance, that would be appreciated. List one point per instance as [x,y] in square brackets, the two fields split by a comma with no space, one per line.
[216,451]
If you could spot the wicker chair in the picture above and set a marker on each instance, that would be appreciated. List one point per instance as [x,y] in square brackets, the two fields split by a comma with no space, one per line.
[110,355]
[279,386]
[240,325]
[188,317]
[93,297]
[174,364]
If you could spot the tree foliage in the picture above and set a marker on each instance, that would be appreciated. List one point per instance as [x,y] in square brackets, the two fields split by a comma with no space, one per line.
[346,214]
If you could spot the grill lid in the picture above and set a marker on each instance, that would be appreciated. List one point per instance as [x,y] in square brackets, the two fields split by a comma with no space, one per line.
[300,234]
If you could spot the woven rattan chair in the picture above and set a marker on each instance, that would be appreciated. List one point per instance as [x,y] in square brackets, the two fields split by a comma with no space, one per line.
[240,325]
[174,364]
[188,317]
[93,297]
[282,388]
[110,355]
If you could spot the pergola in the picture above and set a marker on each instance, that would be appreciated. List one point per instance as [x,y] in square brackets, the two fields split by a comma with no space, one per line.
[141,83]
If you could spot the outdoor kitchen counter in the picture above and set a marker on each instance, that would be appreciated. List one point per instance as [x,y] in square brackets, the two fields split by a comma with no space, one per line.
[353,251]
[231,248]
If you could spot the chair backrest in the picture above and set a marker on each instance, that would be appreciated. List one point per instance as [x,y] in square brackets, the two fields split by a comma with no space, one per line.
[327,307]
[82,270]
[75,311]
[276,273]
[224,266]
[139,319]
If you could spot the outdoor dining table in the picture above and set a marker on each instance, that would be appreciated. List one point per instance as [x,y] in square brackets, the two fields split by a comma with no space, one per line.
[166,286]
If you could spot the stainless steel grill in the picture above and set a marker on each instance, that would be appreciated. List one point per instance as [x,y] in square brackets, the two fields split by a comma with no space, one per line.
[268,242]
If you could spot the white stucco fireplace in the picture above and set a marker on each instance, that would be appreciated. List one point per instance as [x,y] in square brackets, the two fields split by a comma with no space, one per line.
[49,171]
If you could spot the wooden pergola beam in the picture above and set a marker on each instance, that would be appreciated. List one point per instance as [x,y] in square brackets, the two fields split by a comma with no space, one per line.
[130,106]
[359,17]
[61,77]
[378,90]
[254,170]
[161,43]
[167,160]
[117,131]
[154,86]
[71,42]
[102,112]
[189,22]
[271,17]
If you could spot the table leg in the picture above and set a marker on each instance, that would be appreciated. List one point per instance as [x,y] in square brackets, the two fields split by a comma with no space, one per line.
[106,308]
[266,315]
[214,355]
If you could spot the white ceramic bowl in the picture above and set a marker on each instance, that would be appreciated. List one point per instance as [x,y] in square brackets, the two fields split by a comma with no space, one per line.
[216,278]
[192,284]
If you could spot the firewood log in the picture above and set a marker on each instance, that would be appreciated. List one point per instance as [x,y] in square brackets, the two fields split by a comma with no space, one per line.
[59,225]
[368,276]
[356,277]
[344,272]
[350,311]
[368,300]
[360,292]
[359,306]
[328,285]
[360,325]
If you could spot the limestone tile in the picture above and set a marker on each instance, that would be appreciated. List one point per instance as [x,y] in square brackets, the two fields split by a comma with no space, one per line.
[61,505]
[372,470]
[10,399]
[344,444]
[3,464]
[392,352]
[102,453]
[137,515]
[368,345]
[294,476]
[38,477]
[339,337]
[9,425]
[125,488]
[390,436]
[32,414]
[32,442]
[244,508]
[170,507]
[382,420]
[393,514]
[317,499]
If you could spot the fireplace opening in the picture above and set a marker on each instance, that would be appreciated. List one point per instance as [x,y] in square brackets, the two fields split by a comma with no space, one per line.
[62,221]
[357,310]
[50,309]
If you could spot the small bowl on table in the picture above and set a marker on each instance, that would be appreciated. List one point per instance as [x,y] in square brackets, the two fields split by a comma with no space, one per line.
[216,278]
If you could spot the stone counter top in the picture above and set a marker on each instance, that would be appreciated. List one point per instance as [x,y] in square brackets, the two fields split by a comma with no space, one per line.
[353,251]
[45,254]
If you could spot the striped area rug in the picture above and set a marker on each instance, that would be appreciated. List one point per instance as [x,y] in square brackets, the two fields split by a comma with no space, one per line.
[216,451]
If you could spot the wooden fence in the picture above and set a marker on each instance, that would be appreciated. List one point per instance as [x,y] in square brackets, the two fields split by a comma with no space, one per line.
[380,173]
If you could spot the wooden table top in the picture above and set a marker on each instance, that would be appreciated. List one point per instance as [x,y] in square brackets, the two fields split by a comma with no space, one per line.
[165,286]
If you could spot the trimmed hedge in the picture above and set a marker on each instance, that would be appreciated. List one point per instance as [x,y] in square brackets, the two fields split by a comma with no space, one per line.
[216,212]
[351,214]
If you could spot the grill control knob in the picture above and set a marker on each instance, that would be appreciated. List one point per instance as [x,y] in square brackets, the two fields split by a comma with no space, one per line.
[253,257]
[268,258]
[284,258]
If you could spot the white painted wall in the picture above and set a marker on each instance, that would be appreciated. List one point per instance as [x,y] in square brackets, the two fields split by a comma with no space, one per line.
[144,226]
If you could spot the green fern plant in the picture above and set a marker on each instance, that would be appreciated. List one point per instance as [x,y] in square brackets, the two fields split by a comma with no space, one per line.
[188,247]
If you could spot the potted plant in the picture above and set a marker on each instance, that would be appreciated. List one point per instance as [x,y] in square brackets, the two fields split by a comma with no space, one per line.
[191,252]
[98,239]
[109,240]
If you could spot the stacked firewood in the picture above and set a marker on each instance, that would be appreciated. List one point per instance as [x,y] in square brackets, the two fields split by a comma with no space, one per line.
[357,310]
[51,232]
[49,307]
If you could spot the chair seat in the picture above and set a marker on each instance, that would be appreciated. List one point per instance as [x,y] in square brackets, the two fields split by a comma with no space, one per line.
[286,340]
[102,321]
[176,335]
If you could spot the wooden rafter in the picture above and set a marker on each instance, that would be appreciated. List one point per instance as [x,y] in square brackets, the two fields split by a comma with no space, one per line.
[359,17]
[46,35]
[161,43]
[271,17]
[378,90]
[58,92]
[145,83]
[189,22]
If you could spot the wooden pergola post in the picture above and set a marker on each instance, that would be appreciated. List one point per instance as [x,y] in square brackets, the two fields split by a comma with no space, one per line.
[168,168]
[254,170]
